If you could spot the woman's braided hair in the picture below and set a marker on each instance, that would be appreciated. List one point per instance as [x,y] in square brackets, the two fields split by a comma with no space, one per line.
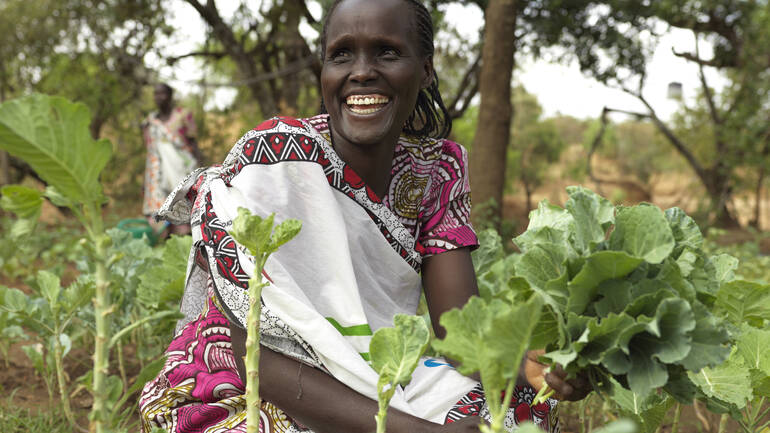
[430,117]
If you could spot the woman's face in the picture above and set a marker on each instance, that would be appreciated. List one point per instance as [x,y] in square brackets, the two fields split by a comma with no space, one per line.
[372,70]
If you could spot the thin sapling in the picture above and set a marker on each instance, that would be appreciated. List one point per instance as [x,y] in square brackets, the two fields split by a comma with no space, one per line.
[261,238]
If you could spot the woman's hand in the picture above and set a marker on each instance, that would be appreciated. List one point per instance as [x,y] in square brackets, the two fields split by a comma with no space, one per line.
[535,373]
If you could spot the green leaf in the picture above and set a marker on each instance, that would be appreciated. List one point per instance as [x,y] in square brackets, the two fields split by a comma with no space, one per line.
[15,300]
[604,335]
[754,346]
[252,231]
[709,345]
[50,288]
[645,373]
[26,204]
[729,382]
[725,266]
[395,352]
[52,135]
[505,331]
[542,263]
[284,232]
[490,251]
[685,229]
[649,412]
[671,326]
[598,267]
[149,372]
[593,215]
[741,301]
[642,231]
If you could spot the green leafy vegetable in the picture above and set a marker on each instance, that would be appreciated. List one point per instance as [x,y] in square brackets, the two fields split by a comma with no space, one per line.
[395,353]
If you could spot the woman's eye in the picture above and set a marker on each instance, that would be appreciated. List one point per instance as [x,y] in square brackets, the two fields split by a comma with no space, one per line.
[339,55]
[389,52]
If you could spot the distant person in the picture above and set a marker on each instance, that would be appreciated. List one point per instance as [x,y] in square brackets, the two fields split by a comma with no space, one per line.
[172,152]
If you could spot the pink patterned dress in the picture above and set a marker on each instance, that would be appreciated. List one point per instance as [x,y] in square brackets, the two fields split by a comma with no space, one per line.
[425,212]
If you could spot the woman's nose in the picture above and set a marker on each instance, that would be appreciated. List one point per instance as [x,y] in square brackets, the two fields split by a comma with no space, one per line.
[363,70]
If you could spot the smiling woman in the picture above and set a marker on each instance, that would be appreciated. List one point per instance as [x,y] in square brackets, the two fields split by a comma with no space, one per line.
[384,200]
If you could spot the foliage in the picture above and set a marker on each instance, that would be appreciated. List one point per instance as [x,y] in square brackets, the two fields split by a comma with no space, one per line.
[395,353]
[52,135]
[628,294]
[505,328]
[261,237]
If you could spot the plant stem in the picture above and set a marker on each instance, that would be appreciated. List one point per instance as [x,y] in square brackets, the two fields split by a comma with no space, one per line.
[253,402]
[102,312]
[121,367]
[59,365]
[723,423]
[677,415]
[382,402]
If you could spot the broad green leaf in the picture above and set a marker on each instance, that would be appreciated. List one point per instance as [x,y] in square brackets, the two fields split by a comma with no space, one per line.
[26,204]
[23,201]
[465,328]
[549,215]
[149,372]
[504,329]
[543,235]
[646,373]
[396,351]
[284,232]
[15,300]
[729,382]
[490,251]
[66,344]
[754,346]
[252,231]
[709,345]
[542,263]
[671,327]
[741,301]
[598,267]
[547,331]
[642,231]
[671,274]
[725,266]
[52,135]
[685,230]
[50,288]
[593,215]
[648,411]
[615,295]
[604,335]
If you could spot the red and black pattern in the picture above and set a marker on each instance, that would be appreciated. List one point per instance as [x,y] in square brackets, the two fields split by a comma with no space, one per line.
[473,404]
[225,254]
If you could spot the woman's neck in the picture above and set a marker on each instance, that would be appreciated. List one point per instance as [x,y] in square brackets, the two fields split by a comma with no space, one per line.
[372,163]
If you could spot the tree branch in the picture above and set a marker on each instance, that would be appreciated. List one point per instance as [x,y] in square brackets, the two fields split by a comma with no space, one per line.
[470,78]
[694,58]
[706,89]
[213,54]
[669,134]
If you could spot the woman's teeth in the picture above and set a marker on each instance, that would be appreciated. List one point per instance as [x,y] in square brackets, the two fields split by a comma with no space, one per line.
[366,104]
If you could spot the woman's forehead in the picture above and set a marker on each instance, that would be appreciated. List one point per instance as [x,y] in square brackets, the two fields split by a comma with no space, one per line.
[370,16]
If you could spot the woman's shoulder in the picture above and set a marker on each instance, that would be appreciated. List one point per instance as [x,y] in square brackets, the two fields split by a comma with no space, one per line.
[435,150]
[295,125]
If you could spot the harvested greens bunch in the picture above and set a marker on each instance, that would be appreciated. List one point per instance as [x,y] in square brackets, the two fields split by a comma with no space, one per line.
[627,292]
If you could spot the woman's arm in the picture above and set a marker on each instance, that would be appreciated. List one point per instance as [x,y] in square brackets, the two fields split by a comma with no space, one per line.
[323,403]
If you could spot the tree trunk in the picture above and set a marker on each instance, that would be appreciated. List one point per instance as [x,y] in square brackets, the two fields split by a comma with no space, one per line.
[487,162]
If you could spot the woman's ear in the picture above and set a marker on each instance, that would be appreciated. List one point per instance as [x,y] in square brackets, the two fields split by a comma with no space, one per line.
[427,78]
